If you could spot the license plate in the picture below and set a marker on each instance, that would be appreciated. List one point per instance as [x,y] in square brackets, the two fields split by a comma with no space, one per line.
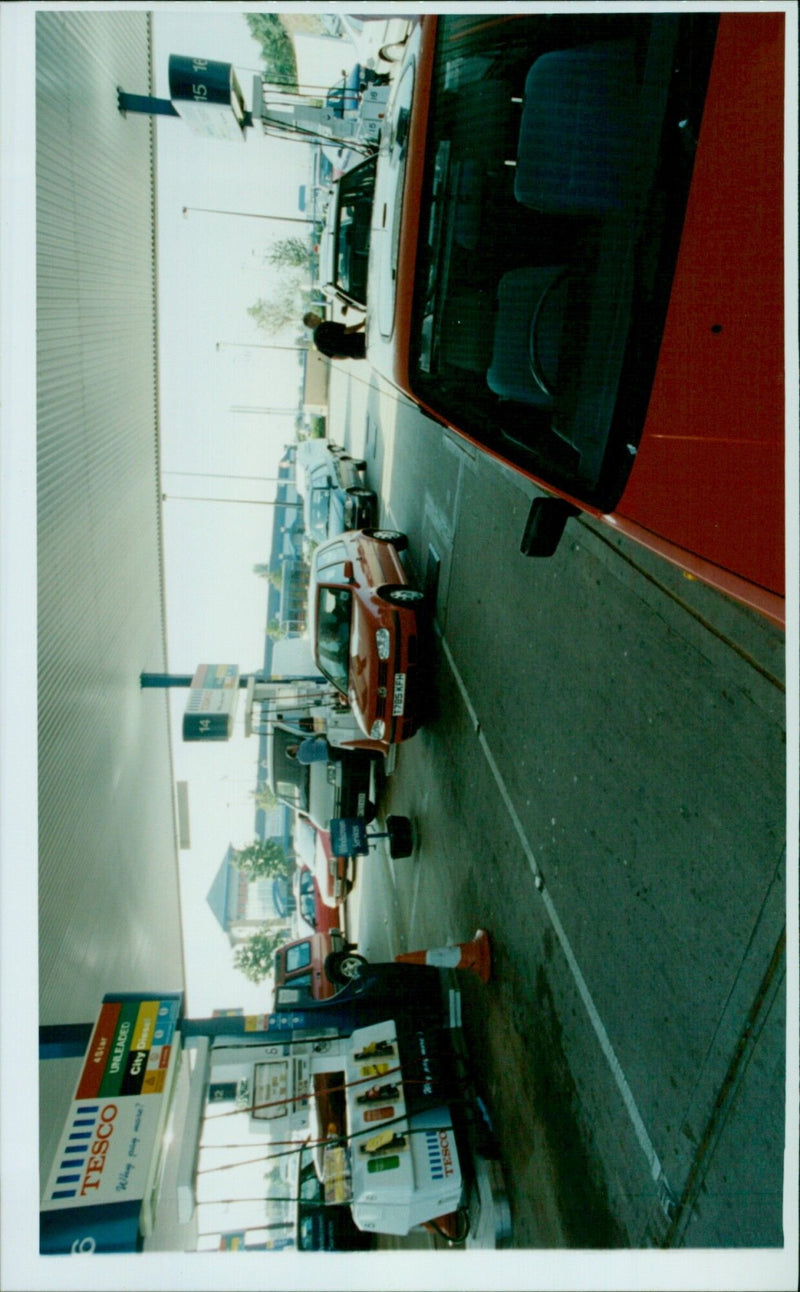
[399,697]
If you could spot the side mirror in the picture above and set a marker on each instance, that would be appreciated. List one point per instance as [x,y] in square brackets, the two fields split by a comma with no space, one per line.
[545,526]
[348,572]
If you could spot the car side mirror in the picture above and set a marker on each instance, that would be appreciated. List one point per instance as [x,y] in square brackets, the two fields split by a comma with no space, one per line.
[545,525]
[348,572]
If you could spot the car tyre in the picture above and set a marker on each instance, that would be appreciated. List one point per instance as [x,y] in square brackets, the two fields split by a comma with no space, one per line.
[342,967]
[398,541]
[400,595]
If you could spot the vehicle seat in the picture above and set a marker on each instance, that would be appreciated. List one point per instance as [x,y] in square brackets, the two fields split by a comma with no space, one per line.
[528,331]
[578,129]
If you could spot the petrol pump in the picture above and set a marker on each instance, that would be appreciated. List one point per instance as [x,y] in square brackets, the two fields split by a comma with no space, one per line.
[375,1082]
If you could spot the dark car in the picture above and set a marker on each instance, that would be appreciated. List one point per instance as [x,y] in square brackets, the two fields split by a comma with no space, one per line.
[335,497]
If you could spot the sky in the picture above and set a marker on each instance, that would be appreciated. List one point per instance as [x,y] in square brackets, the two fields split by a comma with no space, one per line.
[215,376]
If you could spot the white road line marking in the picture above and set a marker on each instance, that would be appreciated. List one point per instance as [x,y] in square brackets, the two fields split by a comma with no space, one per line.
[645,1143]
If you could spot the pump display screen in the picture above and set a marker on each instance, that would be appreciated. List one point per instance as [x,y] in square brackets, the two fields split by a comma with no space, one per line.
[271,1084]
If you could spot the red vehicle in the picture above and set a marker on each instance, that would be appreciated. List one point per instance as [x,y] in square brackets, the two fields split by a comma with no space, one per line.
[312,848]
[365,624]
[315,916]
[315,966]
[576,263]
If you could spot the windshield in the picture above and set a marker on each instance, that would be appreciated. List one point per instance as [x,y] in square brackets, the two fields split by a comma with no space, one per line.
[551,210]
[333,635]
[319,506]
[354,198]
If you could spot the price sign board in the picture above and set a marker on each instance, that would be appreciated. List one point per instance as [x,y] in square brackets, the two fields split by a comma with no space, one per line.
[101,1193]
[207,96]
[211,707]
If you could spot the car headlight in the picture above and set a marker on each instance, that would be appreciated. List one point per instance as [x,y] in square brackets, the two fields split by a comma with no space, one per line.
[383,642]
[378,729]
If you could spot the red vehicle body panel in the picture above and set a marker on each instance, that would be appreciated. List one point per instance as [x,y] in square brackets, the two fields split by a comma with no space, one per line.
[326,916]
[320,948]
[715,423]
[716,414]
[326,869]
[376,565]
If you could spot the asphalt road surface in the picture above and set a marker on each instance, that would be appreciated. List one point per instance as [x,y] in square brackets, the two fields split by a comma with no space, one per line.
[601,785]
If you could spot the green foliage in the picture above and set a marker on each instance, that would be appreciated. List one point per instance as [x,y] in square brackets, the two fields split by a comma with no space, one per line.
[289,253]
[275,631]
[286,307]
[254,957]
[271,572]
[265,798]
[261,859]
[277,50]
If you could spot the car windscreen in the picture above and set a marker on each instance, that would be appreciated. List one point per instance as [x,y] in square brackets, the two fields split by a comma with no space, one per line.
[298,956]
[354,216]
[318,508]
[332,644]
[552,200]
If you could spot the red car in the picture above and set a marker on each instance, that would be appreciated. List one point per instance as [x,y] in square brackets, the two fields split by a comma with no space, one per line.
[576,263]
[315,915]
[312,848]
[316,966]
[366,626]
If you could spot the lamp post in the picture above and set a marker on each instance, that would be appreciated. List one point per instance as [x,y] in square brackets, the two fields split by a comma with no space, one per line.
[252,345]
[253,215]
[254,502]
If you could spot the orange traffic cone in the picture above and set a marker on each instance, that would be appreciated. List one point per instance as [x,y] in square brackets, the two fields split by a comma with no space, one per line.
[475,955]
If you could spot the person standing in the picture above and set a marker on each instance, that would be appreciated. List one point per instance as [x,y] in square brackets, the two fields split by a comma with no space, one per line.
[334,339]
[314,749]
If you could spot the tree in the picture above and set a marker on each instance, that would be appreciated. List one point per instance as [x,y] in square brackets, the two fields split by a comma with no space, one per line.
[277,50]
[286,307]
[271,572]
[289,253]
[265,798]
[261,859]
[254,957]
[275,631]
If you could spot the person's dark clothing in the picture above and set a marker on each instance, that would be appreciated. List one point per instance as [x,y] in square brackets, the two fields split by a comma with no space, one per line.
[333,340]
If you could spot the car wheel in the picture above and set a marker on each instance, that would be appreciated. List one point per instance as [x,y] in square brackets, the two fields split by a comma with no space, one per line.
[401,596]
[344,966]
[393,536]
